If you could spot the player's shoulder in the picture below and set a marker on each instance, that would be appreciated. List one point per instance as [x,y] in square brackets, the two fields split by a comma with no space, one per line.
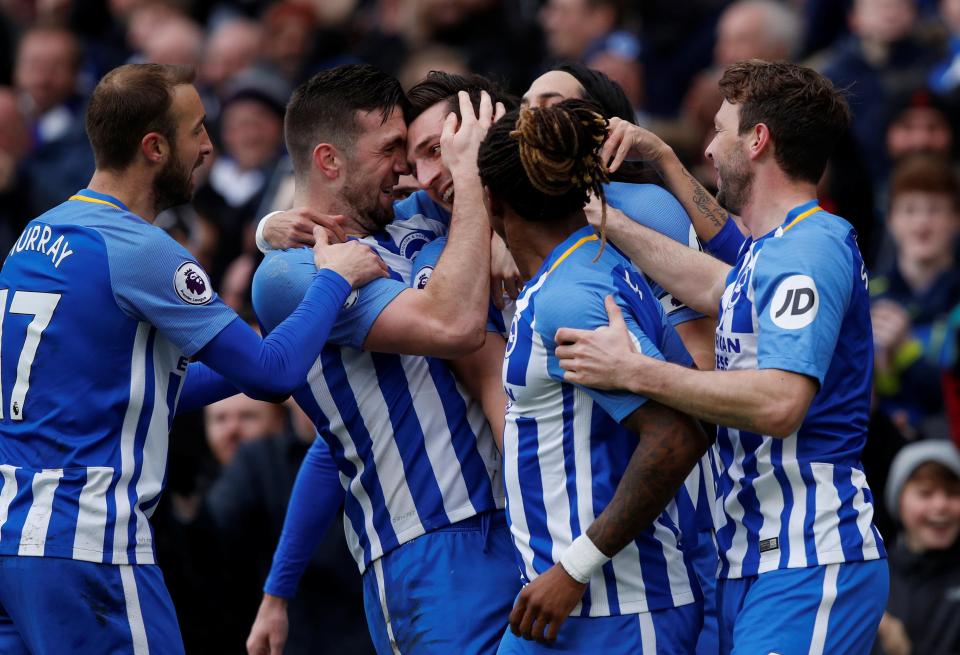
[823,237]
[419,204]
[279,267]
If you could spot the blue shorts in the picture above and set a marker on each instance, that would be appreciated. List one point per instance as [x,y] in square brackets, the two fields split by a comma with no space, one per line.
[834,608]
[53,606]
[671,631]
[448,591]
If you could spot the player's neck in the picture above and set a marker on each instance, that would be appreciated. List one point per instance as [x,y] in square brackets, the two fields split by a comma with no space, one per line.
[327,202]
[771,199]
[532,242]
[134,190]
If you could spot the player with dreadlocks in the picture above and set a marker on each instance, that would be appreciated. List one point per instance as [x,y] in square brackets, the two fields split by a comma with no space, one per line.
[590,507]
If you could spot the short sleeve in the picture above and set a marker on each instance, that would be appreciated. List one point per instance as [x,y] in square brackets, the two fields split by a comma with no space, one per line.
[283,278]
[423,265]
[727,243]
[583,308]
[656,208]
[155,279]
[802,288]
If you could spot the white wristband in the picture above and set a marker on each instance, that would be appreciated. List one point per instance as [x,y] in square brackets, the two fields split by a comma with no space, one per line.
[582,559]
[262,245]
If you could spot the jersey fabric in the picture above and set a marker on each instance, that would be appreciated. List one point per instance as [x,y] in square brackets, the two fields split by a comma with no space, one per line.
[414,452]
[64,607]
[656,208]
[564,449]
[99,311]
[818,610]
[797,301]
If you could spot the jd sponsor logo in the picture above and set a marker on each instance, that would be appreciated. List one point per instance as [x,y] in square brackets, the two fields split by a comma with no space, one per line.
[795,303]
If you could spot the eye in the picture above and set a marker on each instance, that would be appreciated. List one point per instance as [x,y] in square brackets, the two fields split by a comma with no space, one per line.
[435,150]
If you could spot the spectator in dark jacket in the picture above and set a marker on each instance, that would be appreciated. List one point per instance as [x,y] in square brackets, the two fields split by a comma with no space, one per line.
[924,606]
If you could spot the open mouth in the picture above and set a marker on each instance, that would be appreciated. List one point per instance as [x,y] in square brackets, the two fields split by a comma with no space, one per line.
[447,195]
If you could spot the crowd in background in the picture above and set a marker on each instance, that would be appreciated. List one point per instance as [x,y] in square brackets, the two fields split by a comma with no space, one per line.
[894,178]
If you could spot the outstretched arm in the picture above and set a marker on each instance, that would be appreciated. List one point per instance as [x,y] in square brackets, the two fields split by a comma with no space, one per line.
[766,401]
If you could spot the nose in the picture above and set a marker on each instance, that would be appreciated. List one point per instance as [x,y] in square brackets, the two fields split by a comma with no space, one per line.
[400,165]
[427,172]
[206,147]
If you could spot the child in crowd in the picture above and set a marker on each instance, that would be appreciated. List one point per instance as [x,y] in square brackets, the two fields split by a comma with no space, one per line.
[923,613]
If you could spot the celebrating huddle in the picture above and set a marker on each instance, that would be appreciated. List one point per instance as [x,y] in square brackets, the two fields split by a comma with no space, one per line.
[521,477]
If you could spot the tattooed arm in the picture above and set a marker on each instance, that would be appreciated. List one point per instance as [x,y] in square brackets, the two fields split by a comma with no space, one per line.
[628,140]
[670,445]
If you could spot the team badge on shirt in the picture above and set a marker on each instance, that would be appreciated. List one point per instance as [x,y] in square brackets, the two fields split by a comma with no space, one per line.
[192,284]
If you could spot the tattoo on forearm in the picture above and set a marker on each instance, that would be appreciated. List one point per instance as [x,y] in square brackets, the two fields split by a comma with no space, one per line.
[704,202]
[669,447]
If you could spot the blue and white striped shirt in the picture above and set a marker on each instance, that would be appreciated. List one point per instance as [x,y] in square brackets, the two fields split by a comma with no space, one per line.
[797,301]
[564,449]
[99,311]
[414,451]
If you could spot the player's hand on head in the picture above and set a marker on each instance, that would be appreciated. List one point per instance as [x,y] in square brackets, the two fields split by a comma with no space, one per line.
[460,140]
[544,604]
[269,632]
[594,358]
[628,141]
[355,261]
[295,228]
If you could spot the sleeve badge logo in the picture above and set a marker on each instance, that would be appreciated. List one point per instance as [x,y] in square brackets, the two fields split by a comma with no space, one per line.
[192,284]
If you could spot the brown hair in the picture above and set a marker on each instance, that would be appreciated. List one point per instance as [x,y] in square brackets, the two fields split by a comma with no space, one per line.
[128,103]
[927,173]
[805,114]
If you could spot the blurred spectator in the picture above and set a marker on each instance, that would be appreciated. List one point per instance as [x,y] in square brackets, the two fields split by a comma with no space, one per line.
[290,27]
[431,58]
[178,41]
[143,18]
[748,29]
[571,27]
[247,505]
[921,286]
[945,76]
[45,75]
[14,144]
[239,419]
[618,57]
[232,46]
[924,493]
[251,134]
[918,121]
[880,59]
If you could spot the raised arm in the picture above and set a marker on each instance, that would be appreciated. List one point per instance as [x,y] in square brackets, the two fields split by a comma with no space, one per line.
[273,367]
[766,401]
[448,317]
[629,140]
[694,278]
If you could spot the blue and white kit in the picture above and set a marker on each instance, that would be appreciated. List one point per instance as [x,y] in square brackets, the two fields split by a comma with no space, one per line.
[99,312]
[797,301]
[413,452]
[564,449]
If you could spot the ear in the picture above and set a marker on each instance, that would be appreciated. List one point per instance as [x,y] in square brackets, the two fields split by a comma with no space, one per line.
[760,141]
[494,205]
[155,147]
[327,160]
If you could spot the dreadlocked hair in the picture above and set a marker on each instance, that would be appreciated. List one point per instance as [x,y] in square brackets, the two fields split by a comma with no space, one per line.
[545,162]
